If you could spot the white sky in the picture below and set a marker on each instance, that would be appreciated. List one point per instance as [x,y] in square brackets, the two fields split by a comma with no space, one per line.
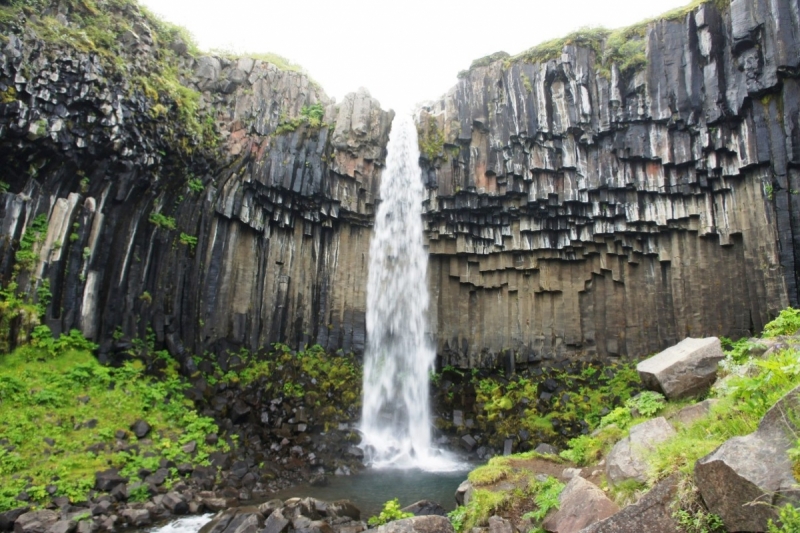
[403,51]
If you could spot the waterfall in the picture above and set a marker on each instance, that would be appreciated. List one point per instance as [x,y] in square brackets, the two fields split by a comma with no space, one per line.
[396,421]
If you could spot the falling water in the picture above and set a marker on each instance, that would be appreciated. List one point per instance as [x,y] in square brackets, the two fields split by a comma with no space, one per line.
[395,423]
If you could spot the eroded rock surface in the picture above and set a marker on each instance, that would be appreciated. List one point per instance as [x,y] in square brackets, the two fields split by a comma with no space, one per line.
[581,504]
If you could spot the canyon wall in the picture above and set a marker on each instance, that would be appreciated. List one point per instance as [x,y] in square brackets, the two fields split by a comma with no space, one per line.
[262,238]
[576,206]
[577,209]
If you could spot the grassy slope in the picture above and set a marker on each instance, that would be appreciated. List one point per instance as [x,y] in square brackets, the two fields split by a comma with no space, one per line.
[46,396]
[753,386]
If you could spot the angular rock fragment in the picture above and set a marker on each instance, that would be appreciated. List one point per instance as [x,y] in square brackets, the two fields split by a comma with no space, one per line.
[581,504]
[627,459]
[684,370]
[748,478]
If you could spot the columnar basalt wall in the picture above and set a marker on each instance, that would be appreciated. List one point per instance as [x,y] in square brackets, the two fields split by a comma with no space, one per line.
[265,240]
[574,210]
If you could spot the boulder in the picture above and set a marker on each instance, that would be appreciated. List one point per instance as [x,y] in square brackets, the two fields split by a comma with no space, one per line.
[425,508]
[627,458]
[753,468]
[692,413]
[8,518]
[546,449]
[106,480]
[240,520]
[653,509]
[175,503]
[418,524]
[343,509]
[140,428]
[35,522]
[63,526]
[582,503]
[137,517]
[687,369]
[500,525]
[464,492]
[276,523]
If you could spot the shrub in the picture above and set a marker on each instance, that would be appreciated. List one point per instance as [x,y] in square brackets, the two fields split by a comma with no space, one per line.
[391,512]
[162,221]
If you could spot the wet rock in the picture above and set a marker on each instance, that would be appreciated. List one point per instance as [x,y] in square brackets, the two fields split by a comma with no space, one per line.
[241,520]
[687,369]
[136,517]
[276,523]
[468,442]
[424,508]
[344,509]
[464,492]
[581,504]
[175,503]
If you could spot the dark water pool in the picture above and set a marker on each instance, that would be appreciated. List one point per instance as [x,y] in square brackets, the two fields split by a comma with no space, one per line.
[369,490]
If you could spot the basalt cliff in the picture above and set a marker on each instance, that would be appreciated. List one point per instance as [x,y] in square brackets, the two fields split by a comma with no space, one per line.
[603,196]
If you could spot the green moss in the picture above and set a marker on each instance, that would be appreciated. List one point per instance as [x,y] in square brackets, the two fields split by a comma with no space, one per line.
[431,140]
[496,470]
[625,47]
[310,116]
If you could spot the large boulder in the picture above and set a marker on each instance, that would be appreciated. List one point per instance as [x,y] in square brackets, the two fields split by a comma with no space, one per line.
[418,524]
[424,508]
[35,521]
[748,478]
[240,520]
[581,504]
[627,459]
[684,370]
[464,492]
[652,513]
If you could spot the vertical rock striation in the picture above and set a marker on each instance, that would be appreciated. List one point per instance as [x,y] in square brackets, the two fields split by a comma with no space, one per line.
[580,207]
[262,238]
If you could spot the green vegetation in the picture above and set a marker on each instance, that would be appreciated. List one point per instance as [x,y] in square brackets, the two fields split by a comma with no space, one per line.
[188,240]
[538,496]
[105,28]
[310,116]
[391,512]
[789,521]
[196,185]
[27,253]
[329,384]
[431,140]
[162,221]
[55,389]
[279,61]
[625,47]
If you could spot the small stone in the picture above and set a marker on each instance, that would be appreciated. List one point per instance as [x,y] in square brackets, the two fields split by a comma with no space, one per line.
[140,428]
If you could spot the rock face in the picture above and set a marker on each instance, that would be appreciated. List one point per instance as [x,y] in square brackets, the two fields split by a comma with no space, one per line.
[627,459]
[687,369]
[576,209]
[263,239]
[582,503]
[573,208]
[747,479]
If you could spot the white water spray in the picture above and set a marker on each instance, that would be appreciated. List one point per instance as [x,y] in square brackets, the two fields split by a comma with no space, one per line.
[395,422]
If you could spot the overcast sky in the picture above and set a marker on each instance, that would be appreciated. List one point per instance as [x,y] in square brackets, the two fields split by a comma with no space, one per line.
[403,51]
